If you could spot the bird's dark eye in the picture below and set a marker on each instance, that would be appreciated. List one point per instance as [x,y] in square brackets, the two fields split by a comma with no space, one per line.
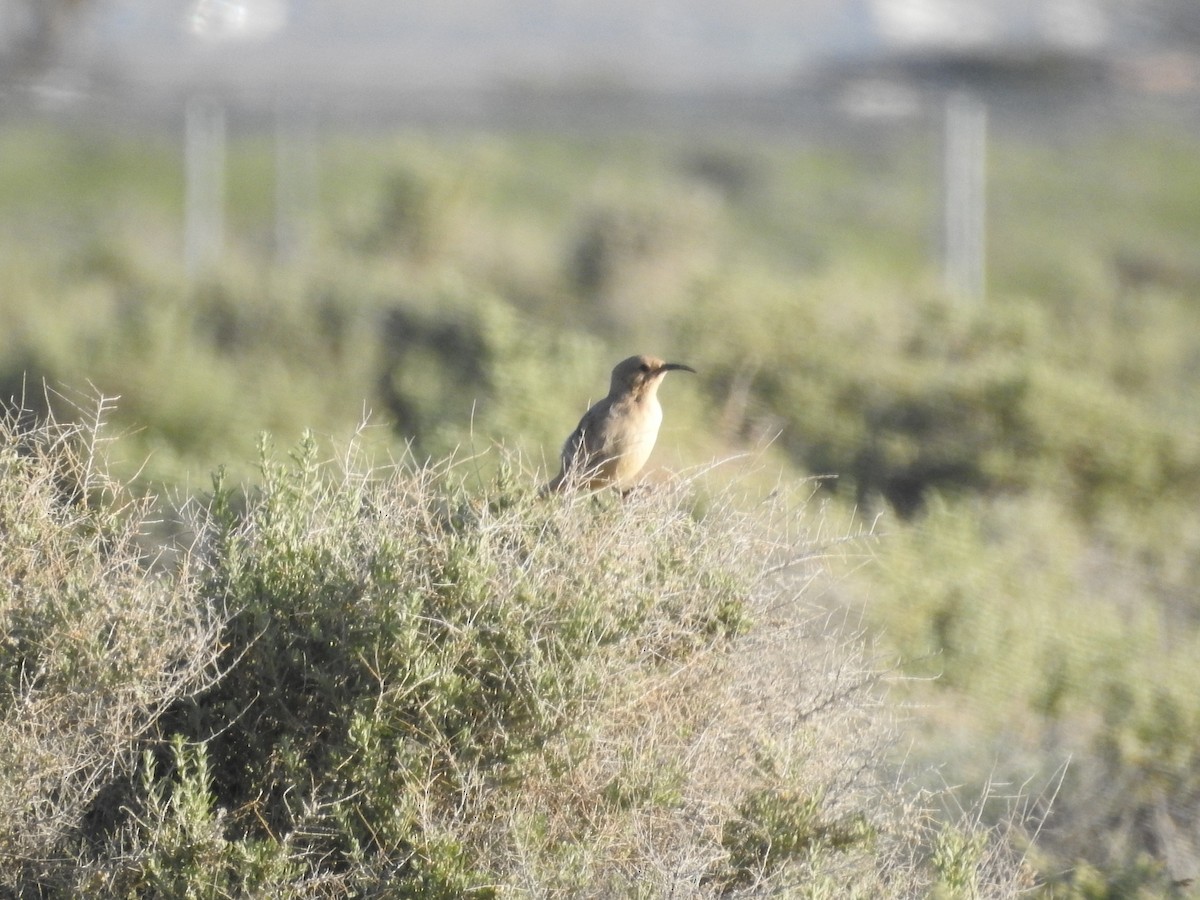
[645,367]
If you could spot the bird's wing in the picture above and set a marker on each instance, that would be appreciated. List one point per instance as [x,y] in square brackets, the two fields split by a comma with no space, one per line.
[586,442]
[570,455]
[572,446]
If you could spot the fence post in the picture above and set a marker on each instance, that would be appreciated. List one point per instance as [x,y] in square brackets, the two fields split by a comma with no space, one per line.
[964,193]
[204,184]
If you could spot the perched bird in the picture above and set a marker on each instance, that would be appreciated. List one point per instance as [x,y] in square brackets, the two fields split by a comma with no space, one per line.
[614,438]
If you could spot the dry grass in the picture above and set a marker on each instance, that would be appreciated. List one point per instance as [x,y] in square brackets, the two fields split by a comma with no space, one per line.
[95,643]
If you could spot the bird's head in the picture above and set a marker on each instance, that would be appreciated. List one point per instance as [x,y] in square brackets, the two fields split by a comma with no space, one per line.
[641,375]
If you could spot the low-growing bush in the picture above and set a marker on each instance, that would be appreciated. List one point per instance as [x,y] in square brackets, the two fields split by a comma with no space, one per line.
[402,682]
[944,398]
[96,641]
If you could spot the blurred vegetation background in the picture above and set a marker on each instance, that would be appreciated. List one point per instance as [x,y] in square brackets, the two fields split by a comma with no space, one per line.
[1035,458]
[1030,461]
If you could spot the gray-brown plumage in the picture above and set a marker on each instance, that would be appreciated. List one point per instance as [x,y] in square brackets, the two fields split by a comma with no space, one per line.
[613,440]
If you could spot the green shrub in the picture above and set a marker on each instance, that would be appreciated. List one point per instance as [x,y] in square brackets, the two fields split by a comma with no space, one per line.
[405,683]
[98,639]
[946,398]
[773,827]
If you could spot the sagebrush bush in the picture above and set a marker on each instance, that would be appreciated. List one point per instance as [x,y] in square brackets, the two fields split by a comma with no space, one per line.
[402,682]
[95,640]
[963,401]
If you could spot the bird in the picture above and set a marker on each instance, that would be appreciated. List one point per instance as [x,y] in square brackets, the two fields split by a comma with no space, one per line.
[613,440]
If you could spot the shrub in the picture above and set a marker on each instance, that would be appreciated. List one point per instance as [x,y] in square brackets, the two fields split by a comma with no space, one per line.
[99,637]
[430,688]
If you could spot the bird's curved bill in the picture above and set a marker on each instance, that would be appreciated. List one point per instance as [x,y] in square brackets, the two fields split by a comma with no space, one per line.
[667,367]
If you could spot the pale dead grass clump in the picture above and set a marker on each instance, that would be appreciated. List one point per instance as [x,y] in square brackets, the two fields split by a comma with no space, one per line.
[93,644]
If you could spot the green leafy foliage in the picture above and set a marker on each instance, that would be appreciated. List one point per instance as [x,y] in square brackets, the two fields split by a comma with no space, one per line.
[773,827]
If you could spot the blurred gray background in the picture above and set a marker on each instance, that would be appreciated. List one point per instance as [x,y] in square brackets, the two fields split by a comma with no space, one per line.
[471,61]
